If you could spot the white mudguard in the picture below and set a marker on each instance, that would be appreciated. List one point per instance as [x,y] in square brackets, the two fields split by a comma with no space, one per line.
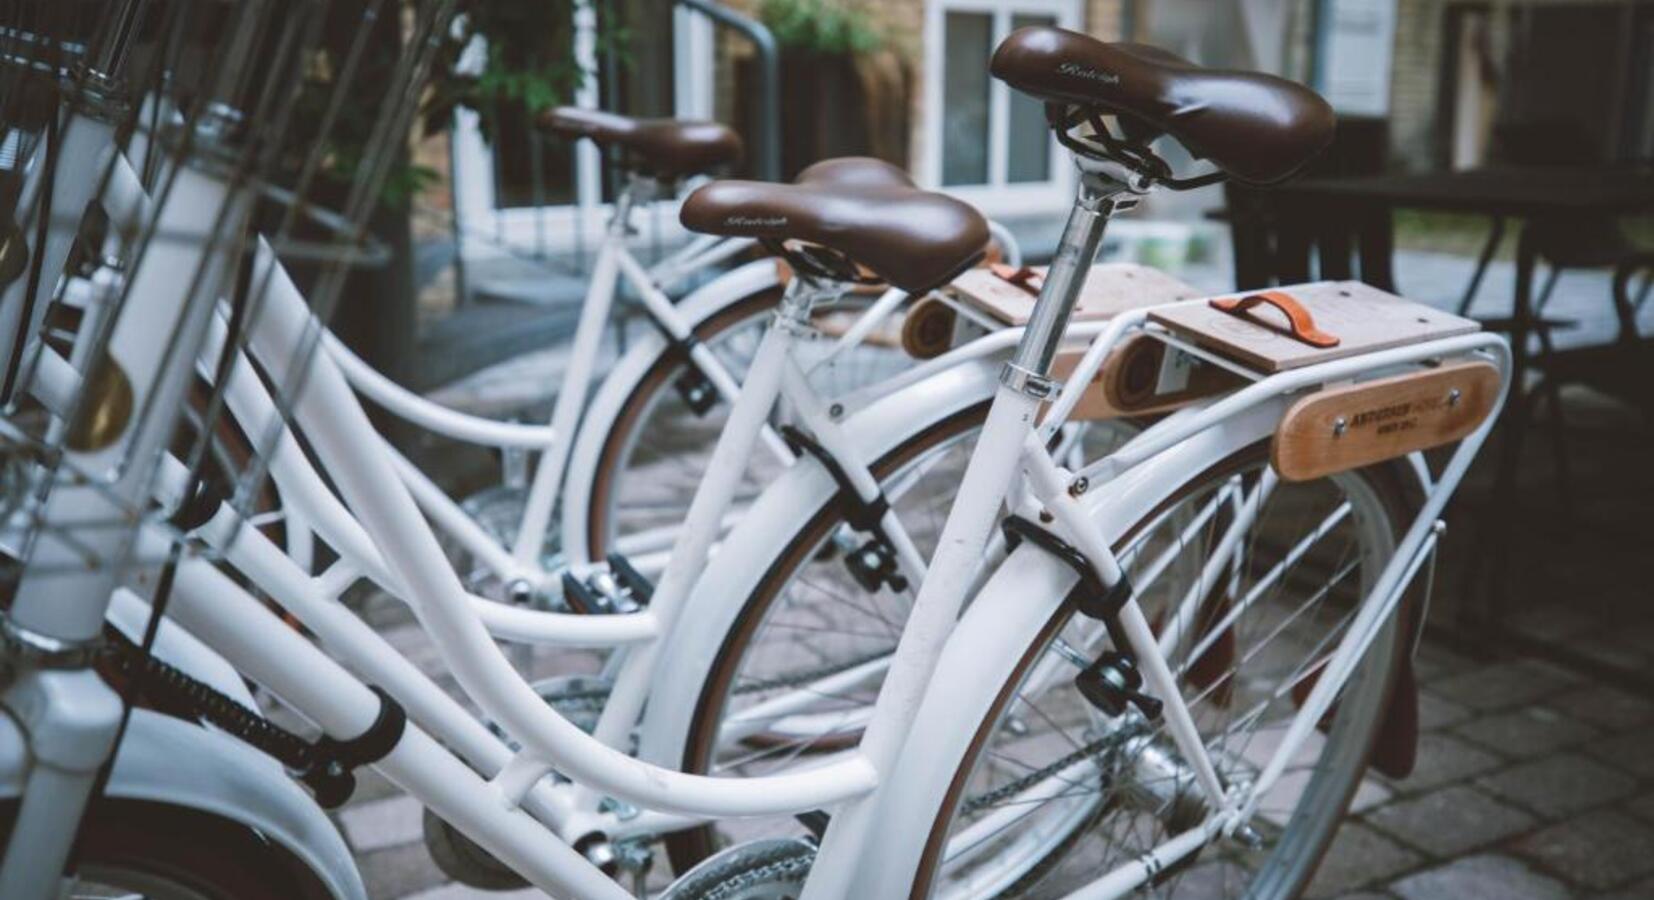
[763,534]
[1001,622]
[732,287]
[166,760]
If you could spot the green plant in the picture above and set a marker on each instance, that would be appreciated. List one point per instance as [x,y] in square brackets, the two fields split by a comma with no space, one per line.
[529,58]
[821,26]
[527,63]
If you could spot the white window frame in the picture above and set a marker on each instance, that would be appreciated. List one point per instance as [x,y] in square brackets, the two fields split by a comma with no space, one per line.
[566,227]
[998,197]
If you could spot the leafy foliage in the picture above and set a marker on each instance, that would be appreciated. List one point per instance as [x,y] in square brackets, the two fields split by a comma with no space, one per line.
[821,26]
[523,59]
[529,60]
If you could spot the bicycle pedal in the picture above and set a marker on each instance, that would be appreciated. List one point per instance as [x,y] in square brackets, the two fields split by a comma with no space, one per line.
[697,391]
[640,589]
[816,820]
[1112,682]
[619,590]
[873,566]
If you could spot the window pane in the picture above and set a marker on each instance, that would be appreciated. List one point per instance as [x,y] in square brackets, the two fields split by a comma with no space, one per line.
[1029,154]
[966,44]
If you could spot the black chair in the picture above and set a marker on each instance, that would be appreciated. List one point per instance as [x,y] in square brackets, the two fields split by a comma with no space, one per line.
[1578,242]
[1575,242]
[1274,245]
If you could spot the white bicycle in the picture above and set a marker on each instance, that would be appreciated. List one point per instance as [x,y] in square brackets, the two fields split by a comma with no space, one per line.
[943,790]
[303,487]
[566,504]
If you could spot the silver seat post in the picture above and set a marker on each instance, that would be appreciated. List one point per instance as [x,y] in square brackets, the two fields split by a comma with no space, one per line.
[637,189]
[1100,197]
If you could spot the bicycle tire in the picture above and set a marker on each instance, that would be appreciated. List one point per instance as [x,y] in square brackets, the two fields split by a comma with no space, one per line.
[1388,483]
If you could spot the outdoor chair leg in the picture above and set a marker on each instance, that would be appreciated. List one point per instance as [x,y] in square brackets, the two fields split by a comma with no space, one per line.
[1551,392]
[1494,236]
[1559,450]
[1545,292]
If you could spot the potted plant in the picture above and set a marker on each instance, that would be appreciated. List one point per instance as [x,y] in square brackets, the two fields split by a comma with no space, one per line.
[844,87]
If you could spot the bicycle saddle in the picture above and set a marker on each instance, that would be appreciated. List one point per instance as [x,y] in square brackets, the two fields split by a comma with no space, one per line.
[666,148]
[1254,127]
[865,209]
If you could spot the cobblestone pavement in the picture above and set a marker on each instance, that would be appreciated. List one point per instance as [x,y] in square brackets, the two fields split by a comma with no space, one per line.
[1534,781]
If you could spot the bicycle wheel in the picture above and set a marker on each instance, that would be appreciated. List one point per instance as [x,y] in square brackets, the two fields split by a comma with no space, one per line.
[811,631]
[157,851]
[656,447]
[1051,793]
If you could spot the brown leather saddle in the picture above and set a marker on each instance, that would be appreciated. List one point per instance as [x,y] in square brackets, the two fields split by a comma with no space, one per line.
[865,209]
[663,148]
[1254,127]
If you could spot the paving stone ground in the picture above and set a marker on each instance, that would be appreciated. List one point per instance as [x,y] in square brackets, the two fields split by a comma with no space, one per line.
[1535,780]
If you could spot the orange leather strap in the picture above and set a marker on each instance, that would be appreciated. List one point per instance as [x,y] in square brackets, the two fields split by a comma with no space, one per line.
[1024,277]
[1300,324]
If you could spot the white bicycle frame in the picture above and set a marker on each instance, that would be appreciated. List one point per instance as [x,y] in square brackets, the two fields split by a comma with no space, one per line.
[509,813]
[309,597]
[519,566]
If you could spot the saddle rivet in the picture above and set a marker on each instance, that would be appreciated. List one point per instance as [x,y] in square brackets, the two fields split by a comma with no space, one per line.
[835,410]
[1046,517]
[1339,426]
[1453,397]
[1079,486]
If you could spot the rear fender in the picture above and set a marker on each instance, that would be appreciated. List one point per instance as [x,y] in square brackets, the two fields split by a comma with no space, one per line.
[166,760]
[618,385]
[1006,617]
[784,508]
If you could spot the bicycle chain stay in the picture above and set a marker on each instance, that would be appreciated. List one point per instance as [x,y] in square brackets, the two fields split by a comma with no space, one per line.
[327,766]
[874,563]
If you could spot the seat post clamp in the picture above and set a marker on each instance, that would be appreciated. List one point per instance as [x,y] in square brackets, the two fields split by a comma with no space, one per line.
[1028,382]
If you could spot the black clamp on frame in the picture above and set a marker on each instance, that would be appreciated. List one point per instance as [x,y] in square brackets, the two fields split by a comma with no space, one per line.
[697,390]
[197,509]
[1111,681]
[874,563]
[325,766]
[330,771]
[1090,596]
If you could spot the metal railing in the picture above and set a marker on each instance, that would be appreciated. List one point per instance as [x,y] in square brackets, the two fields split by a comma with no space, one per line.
[767,160]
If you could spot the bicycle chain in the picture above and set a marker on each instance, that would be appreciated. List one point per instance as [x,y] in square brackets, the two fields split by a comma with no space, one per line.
[780,871]
[1011,788]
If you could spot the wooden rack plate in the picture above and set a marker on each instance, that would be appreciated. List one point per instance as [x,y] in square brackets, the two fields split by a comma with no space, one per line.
[1110,289]
[1354,425]
[1363,318]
